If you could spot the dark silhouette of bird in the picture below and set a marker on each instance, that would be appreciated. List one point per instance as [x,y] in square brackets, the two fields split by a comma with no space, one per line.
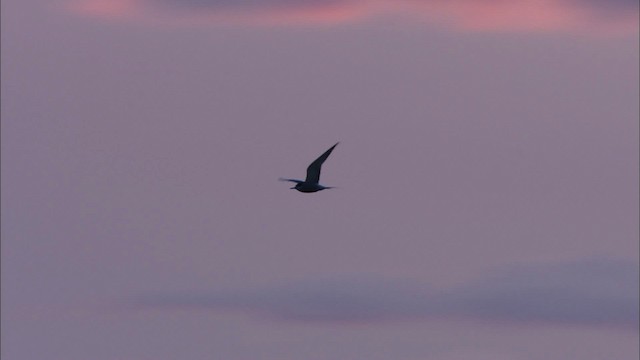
[311,183]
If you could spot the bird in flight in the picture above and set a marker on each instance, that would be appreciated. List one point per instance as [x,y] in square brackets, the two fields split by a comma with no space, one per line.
[310,184]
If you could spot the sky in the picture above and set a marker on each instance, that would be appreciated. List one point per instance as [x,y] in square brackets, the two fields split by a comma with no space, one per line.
[486,200]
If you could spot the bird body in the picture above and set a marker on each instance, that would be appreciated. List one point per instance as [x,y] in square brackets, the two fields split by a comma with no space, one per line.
[311,182]
[309,188]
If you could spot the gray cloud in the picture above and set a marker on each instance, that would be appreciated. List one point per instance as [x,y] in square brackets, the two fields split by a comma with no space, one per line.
[606,6]
[610,5]
[248,5]
[597,292]
[591,292]
[355,299]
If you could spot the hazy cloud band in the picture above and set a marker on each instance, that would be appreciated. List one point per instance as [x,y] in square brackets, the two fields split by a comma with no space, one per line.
[470,15]
[594,293]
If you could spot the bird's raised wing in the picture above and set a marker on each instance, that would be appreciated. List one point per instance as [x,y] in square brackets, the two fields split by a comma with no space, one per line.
[313,171]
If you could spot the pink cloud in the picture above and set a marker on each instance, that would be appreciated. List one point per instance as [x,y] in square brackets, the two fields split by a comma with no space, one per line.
[203,12]
[106,9]
[530,15]
[618,16]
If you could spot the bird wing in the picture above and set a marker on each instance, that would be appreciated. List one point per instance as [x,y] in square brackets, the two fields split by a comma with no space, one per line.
[313,171]
[292,180]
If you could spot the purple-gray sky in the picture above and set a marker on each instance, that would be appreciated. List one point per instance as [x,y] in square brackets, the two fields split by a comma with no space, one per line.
[487,176]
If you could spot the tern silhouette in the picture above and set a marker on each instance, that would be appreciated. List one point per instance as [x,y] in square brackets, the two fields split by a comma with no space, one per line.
[310,184]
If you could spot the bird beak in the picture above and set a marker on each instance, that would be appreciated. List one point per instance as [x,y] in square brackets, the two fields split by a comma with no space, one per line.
[292,187]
